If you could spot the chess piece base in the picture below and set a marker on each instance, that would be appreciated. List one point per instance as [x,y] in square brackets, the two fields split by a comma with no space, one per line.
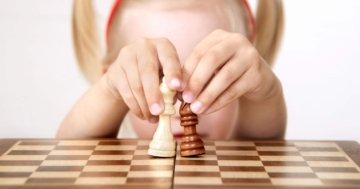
[192,152]
[191,147]
[161,153]
[162,148]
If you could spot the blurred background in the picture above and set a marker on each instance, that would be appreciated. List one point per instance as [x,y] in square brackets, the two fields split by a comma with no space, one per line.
[319,66]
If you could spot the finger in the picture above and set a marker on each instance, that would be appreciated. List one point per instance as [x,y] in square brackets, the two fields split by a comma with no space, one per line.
[227,75]
[179,96]
[127,95]
[234,91]
[195,57]
[154,119]
[212,60]
[130,101]
[133,82]
[148,66]
[170,63]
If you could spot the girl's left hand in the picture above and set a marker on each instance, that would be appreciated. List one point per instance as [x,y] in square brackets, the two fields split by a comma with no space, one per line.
[223,67]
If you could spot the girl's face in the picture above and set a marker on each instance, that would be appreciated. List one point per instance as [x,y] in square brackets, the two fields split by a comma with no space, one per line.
[185,24]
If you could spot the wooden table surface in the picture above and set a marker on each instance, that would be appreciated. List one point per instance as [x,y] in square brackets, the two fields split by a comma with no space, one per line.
[124,163]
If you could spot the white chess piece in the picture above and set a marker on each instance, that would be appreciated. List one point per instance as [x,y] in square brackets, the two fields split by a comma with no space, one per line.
[163,143]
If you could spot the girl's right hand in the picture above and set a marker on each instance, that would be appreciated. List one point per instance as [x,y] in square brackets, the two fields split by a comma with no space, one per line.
[134,76]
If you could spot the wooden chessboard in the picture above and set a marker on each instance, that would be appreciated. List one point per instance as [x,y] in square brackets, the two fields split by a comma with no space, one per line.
[227,164]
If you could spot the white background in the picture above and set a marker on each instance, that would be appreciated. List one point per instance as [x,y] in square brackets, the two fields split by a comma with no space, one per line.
[319,66]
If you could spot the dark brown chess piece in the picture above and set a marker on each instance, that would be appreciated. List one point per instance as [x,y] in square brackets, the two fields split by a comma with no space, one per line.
[191,144]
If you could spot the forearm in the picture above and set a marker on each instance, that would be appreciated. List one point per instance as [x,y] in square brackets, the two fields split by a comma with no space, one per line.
[98,113]
[264,119]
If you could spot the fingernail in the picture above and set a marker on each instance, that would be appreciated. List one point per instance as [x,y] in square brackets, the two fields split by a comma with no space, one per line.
[175,82]
[153,120]
[188,96]
[155,109]
[196,107]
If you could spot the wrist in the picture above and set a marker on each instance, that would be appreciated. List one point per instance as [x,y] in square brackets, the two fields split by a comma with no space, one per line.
[269,92]
[108,89]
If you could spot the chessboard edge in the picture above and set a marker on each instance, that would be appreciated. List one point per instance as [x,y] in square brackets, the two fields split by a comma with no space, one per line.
[352,149]
[6,144]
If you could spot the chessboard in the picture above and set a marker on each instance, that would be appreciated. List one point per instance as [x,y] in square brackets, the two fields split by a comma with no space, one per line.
[84,164]
[270,164]
[125,163]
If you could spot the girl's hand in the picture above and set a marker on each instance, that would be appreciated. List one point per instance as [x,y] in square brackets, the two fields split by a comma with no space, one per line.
[134,76]
[223,67]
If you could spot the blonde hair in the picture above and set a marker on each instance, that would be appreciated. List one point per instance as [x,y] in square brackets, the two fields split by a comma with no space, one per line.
[86,42]
[269,31]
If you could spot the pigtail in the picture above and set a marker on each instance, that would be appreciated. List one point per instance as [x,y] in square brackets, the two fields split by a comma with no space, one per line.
[85,39]
[269,28]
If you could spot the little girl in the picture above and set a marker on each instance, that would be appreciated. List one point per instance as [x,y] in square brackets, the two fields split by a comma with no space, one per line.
[211,52]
